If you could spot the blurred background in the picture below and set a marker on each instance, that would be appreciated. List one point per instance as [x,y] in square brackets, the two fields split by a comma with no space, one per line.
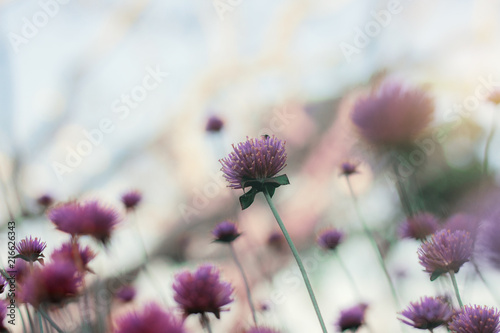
[100,97]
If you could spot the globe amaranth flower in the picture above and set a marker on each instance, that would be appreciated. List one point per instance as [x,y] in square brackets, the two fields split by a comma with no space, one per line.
[419,226]
[52,283]
[74,253]
[131,199]
[329,239]
[348,168]
[225,232]
[393,115]
[151,319]
[262,329]
[202,291]
[31,249]
[214,124]
[446,251]
[428,313]
[89,218]
[352,318]
[126,293]
[475,319]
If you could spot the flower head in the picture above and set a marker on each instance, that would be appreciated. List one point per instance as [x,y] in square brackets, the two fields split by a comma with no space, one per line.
[3,315]
[72,252]
[352,318]
[131,199]
[262,329]
[461,221]
[126,293]
[419,226]
[329,239]
[494,97]
[202,291]
[151,319]
[31,249]
[446,251]
[475,319]
[51,283]
[254,159]
[393,115]
[214,124]
[225,232]
[45,200]
[348,168]
[428,313]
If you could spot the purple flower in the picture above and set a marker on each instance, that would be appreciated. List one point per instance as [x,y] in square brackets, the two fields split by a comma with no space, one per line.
[428,313]
[51,283]
[202,291]
[72,252]
[152,319]
[90,218]
[31,249]
[214,124]
[446,251]
[464,222]
[419,226]
[45,200]
[3,315]
[254,159]
[20,270]
[225,232]
[131,199]
[348,169]
[393,115]
[126,293]
[475,319]
[262,330]
[352,318]
[329,239]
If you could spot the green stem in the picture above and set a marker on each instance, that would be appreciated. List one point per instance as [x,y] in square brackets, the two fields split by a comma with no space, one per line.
[206,323]
[30,320]
[348,274]
[40,322]
[297,259]
[373,244]
[488,143]
[22,319]
[402,194]
[245,280]
[51,322]
[455,286]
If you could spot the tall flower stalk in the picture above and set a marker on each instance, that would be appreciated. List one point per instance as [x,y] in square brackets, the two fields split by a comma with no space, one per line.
[255,163]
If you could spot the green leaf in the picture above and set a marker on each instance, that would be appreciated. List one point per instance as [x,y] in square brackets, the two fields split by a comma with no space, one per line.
[247,199]
[282,180]
[435,275]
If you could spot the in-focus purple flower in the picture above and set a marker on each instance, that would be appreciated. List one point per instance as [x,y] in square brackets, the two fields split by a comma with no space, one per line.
[428,313]
[393,115]
[214,124]
[329,239]
[419,226]
[126,293]
[31,249]
[45,200]
[225,232]
[348,168]
[262,330]
[90,218]
[475,319]
[131,199]
[74,253]
[202,291]
[152,319]
[52,283]
[446,251]
[352,318]
[255,159]
[494,97]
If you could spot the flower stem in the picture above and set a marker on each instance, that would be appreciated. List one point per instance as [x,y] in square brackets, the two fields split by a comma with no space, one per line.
[51,322]
[297,259]
[22,319]
[245,280]
[402,194]
[30,320]
[373,243]
[206,323]
[488,143]
[455,286]
[40,322]
[348,274]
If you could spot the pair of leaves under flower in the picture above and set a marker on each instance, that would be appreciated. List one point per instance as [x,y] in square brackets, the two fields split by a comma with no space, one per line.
[261,185]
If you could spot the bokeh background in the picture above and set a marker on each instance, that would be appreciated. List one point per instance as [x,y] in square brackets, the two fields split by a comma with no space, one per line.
[264,67]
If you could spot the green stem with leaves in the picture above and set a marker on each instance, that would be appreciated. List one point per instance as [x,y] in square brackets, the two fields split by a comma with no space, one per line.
[297,259]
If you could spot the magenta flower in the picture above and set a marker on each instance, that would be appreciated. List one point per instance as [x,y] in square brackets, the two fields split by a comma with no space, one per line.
[446,251]
[428,313]
[81,256]
[214,124]
[262,330]
[45,200]
[152,319]
[90,218]
[475,319]
[393,115]
[3,315]
[352,318]
[126,293]
[131,199]
[329,239]
[51,283]
[348,168]
[21,270]
[202,292]
[419,226]
[225,232]
[31,249]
